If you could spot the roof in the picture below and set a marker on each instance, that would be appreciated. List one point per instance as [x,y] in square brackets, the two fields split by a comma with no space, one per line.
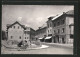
[51,17]
[10,25]
[57,16]
[44,25]
[32,29]
[41,29]
[70,12]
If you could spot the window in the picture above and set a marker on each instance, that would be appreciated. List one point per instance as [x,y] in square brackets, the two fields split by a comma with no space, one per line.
[48,31]
[63,21]
[62,30]
[71,36]
[14,26]
[54,31]
[11,37]
[50,24]
[20,37]
[58,23]
[25,37]
[58,31]
[18,27]
[54,24]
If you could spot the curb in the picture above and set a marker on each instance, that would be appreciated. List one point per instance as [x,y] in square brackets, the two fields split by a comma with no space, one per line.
[16,49]
[41,47]
[58,45]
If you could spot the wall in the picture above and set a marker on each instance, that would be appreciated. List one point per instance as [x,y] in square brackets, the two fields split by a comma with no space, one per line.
[49,27]
[16,33]
[41,32]
[32,34]
[69,20]
[59,27]
[27,37]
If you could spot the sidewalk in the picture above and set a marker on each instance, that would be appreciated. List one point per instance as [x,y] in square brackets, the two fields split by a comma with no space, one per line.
[42,46]
[58,44]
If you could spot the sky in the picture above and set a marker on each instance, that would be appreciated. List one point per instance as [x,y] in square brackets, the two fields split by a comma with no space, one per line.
[32,16]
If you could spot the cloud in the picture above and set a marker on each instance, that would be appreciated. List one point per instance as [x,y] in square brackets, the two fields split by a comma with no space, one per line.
[27,25]
[33,15]
[19,19]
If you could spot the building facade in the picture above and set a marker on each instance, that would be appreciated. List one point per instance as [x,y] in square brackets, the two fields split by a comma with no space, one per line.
[71,26]
[17,32]
[41,33]
[32,34]
[49,26]
[61,28]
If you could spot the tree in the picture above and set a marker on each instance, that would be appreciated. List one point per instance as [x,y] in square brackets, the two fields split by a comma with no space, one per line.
[4,36]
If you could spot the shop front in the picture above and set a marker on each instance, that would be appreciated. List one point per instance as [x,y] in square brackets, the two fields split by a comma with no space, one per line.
[41,39]
[62,39]
[48,39]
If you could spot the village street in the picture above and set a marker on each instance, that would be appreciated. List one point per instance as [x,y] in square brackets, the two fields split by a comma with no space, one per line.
[52,49]
[37,29]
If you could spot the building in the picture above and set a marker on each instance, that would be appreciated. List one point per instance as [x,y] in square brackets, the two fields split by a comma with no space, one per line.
[32,34]
[49,26]
[71,26]
[41,32]
[49,30]
[4,35]
[60,27]
[17,32]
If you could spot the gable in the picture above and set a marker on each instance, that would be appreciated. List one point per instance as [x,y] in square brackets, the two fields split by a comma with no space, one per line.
[15,24]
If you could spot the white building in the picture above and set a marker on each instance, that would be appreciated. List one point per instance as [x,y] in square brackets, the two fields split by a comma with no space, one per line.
[17,32]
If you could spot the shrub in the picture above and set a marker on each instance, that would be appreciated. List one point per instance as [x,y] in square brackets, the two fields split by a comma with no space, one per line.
[4,35]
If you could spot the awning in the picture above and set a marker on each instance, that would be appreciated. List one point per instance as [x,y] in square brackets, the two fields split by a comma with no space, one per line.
[40,38]
[48,37]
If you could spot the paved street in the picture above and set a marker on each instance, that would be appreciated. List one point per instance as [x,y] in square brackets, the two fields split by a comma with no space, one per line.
[49,50]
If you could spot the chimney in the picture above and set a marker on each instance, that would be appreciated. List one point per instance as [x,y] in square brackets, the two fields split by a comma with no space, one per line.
[63,12]
[50,18]
[39,27]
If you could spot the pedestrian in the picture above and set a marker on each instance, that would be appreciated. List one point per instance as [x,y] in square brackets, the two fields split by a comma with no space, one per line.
[20,44]
[26,44]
